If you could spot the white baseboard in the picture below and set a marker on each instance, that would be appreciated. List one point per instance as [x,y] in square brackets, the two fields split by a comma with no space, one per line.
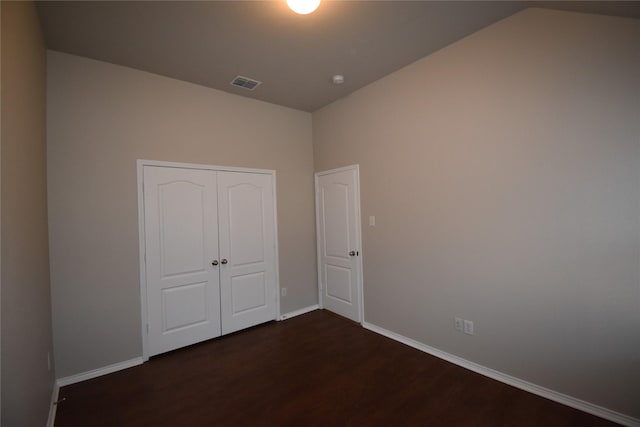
[53,405]
[299,312]
[61,382]
[512,381]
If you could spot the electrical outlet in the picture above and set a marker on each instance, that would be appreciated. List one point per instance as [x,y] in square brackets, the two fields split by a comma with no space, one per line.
[468,327]
[372,221]
[283,292]
[458,323]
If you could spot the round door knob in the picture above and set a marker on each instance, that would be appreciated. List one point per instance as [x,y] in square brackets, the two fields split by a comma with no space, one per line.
[214,262]
[223,261]
[352,253]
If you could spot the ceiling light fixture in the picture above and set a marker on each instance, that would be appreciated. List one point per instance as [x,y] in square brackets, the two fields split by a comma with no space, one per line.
[303,7]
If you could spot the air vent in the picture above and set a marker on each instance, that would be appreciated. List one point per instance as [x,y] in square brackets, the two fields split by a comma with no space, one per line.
[245,83]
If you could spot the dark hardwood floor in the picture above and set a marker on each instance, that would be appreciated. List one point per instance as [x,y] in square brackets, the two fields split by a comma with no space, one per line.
[313,370]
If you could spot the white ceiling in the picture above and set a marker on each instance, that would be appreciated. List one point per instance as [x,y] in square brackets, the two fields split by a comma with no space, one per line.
[210,42]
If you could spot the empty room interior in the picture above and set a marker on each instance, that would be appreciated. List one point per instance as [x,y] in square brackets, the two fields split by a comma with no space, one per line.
[372,213]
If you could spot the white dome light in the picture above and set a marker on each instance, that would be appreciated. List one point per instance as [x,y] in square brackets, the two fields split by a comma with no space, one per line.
[303,7]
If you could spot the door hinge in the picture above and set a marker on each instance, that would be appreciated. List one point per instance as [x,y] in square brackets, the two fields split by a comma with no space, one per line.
[147,328]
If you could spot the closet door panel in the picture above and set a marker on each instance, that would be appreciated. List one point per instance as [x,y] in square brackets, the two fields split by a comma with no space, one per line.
[181,240]
[247,243]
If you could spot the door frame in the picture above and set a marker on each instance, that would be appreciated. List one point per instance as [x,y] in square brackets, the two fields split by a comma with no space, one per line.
[141,163]
[359,263]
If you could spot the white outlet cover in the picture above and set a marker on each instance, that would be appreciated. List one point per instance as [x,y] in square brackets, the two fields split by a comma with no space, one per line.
[372,221]
[458,323]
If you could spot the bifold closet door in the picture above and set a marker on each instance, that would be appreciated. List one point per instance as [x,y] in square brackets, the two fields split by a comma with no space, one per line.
[181,241]
[247,249]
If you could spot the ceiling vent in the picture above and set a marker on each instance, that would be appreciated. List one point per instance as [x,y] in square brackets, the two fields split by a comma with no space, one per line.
[245,83]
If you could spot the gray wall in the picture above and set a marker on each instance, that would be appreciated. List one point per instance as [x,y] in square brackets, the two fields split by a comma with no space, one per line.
[27,382]
[504,174]
[101,118]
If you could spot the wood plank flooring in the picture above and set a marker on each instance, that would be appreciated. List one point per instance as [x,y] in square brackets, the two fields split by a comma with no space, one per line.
[312,370]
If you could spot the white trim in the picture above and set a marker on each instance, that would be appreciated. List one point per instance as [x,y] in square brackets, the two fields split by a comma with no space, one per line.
[336,170]
[275,246]
[299,312]
[360,283]
[83,376]
[140,164]
[510,380]
[318,248]
[53,405]
[142,260]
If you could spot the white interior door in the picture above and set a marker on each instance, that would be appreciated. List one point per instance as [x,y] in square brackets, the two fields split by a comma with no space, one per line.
[338,216]
[181,241]
[247,249]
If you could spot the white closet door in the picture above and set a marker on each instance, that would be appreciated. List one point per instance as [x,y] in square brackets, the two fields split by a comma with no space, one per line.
[181,238]
[247,249]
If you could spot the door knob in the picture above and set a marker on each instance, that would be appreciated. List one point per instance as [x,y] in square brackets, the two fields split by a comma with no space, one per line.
[352,253]
[214,262]
[223,261]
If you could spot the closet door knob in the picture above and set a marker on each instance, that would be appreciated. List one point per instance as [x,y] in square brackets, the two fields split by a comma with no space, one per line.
[223,261]
[352,253]
[214,262]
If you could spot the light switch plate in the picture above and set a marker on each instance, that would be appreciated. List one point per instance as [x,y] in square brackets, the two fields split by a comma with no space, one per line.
[468,327]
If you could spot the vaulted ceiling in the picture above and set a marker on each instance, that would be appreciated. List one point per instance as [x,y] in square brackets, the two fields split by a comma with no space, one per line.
[294,56]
